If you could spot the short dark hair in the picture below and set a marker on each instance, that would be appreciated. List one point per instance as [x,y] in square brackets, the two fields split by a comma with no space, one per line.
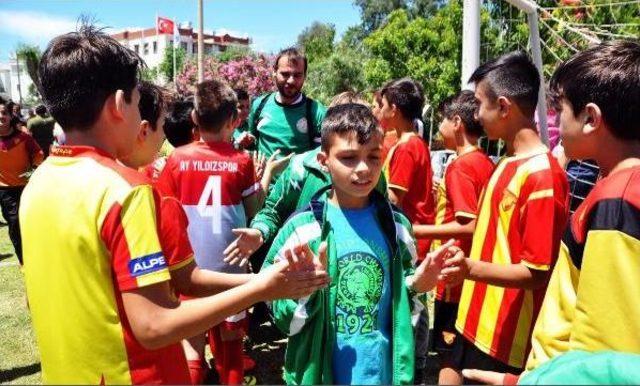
[215,104]
[407,95]
[464,105]
[608,75]
[41,110]
[178,125]
[293,54]
[241,94]
[153,100]
[349,118]
[514,76]
[80,70]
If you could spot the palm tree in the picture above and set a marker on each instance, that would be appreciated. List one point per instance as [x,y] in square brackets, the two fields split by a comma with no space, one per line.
[31,57]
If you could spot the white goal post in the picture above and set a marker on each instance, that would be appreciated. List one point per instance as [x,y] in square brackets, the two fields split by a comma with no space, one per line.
[471,50]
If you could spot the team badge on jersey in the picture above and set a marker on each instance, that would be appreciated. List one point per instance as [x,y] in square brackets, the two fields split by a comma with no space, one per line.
[508,201]
[302,125]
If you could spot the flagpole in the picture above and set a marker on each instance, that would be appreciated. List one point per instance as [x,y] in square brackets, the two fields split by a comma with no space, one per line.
[173,45]
[200,43]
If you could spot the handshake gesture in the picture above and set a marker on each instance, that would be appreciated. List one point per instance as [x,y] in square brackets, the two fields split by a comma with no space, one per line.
[446,263]
[297,274]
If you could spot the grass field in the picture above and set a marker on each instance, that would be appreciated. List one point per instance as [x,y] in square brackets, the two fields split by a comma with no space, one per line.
[19,360]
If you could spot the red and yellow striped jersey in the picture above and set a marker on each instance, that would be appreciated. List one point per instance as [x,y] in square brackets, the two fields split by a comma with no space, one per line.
[458,196]
[521,218]
[590,302]
[90,231]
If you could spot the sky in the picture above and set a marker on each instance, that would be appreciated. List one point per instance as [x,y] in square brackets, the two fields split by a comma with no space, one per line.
[272,24]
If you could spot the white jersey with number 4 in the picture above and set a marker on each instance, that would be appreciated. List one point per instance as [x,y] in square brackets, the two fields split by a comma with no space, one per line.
[210,179]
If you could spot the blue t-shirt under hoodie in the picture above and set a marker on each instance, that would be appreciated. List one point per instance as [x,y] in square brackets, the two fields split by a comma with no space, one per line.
[362,351]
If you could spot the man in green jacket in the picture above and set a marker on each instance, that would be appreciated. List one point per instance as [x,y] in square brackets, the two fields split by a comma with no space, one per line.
[359,330]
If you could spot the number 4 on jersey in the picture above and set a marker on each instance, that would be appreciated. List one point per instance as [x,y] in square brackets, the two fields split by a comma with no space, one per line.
[213,190]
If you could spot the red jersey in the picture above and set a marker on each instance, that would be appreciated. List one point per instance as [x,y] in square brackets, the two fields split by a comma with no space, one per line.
[210,180]
[408,168]
[458,196]
[153,170]
[522,215]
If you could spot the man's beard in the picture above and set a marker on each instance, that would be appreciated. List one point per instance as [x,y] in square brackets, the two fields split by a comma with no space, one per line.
[288,93]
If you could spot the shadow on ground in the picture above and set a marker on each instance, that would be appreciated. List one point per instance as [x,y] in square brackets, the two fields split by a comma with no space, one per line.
[17,372]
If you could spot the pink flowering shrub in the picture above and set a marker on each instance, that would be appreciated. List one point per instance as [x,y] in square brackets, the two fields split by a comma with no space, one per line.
[252,73]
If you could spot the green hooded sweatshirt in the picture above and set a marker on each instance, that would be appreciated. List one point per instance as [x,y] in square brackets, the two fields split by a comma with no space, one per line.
[310,322]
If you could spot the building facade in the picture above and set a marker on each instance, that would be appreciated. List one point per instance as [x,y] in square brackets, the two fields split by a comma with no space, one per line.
[151,46]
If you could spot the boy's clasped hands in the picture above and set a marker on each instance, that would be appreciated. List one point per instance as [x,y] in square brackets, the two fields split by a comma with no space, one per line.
[298,273]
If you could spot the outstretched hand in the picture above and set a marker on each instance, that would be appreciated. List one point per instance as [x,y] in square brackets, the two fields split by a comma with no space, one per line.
[455,269]
[274,165]
[426,275]
[241,249]
[299,273]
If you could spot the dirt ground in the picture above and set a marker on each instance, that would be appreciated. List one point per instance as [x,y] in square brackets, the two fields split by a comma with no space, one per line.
[268,346]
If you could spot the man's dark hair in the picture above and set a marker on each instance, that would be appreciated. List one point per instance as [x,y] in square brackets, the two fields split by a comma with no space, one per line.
[215,104]
[407,95]
[241,94]
[153,100]
[294,55]
[178,126]
[514,76]
[41,110]
[80,70]
[608,75]
[349,118]
[464,105]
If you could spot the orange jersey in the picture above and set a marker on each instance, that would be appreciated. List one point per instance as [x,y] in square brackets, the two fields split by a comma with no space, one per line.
[91,230]
[521,218]
[458,196]
[19,153]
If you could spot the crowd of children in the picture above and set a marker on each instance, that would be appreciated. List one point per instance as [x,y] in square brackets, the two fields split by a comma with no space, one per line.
[134,258]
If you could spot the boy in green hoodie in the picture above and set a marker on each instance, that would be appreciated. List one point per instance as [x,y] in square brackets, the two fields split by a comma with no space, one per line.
[359,330]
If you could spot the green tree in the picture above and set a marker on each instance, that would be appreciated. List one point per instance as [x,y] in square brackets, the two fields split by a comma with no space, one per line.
[166,66]
[33,97]
[30,56]
[149,74]
[427,50]
[234,53]
[341,71]
[374,12]
[317,41]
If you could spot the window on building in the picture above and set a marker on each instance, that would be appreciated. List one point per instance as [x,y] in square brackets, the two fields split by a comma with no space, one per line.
[145,50]
[183,45]
[155,47]
[136,48]
[195,49]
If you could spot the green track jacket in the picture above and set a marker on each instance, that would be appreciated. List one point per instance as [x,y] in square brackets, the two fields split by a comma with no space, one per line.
[310,322]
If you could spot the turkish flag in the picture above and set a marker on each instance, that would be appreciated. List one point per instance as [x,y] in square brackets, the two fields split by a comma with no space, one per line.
[164,25]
